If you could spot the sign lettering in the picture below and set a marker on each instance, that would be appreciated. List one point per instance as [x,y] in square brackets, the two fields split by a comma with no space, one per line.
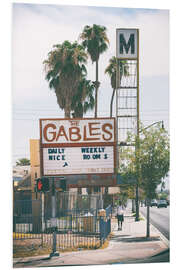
[127,43]
[84,160]
[86,131]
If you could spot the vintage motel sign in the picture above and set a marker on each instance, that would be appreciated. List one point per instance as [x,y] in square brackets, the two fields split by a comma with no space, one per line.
[77,146]
[127,43]
[127,94]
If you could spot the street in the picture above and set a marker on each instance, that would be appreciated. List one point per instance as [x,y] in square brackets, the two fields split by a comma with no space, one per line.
[159,217]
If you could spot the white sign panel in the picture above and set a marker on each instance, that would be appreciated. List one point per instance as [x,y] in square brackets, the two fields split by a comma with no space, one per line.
[78,160]
[127,43]
[77,146]
[55,131]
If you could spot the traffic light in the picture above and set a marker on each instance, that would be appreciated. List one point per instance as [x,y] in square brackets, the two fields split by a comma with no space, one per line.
[42,184]
[45,182]
[39,185]
[63,184]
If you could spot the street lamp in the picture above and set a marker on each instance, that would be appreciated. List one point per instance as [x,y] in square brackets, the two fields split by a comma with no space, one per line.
[122,143]
[162,123]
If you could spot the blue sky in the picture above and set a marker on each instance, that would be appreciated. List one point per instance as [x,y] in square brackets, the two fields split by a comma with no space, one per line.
[36,28]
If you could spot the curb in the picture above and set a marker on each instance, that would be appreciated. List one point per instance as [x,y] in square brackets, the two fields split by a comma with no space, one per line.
[163,238]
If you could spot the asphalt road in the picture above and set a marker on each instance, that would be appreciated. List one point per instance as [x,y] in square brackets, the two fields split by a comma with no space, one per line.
[159,217]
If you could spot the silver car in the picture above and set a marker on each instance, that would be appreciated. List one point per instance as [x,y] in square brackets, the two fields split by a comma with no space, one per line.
[153,202]
[162,203]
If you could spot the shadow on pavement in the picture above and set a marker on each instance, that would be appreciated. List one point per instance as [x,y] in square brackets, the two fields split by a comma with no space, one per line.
[120,238]
[33,262]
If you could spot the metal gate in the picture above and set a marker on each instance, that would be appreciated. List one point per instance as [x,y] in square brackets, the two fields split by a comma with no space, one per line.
[27,219]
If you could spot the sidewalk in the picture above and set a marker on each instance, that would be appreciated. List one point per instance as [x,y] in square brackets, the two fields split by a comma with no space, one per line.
[127,244]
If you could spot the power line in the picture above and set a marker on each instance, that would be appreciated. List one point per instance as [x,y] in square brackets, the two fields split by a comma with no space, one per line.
[19,155]
[150,119]
[55,110]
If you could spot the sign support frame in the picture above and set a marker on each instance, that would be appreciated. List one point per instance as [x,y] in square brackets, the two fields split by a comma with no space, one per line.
[137,106]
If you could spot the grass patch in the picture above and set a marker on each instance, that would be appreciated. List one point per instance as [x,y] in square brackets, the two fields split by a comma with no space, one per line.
[31,250]
[31,253]
[140,217]
[21,253]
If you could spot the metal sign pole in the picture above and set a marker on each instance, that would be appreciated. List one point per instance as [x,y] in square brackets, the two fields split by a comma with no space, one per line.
[54,221]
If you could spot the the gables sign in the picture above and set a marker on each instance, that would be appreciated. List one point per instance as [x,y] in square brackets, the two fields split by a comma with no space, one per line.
[77,146]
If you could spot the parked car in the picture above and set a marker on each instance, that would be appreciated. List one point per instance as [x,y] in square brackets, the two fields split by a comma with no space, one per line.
[153,202]
[161,203]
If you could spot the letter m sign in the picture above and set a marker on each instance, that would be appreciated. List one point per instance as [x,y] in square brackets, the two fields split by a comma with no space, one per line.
[126,43]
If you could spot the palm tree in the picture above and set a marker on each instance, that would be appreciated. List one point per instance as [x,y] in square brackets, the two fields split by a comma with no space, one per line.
[65,68]
[23,162]
[111,71]
[96,42]
[84,100]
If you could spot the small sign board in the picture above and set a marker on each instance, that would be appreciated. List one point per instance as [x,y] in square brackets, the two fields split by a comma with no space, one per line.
[77,146]
[127,43]
[53,222]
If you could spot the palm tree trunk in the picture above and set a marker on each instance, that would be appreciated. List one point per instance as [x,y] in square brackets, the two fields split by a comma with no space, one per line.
[96,93]
[67,110]
[112,98]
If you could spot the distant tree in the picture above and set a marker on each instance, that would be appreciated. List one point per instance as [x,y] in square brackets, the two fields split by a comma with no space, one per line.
[111,70]
[150,163]
[127,170]
[153,158]
[23,162]
[95,40]
[163,195]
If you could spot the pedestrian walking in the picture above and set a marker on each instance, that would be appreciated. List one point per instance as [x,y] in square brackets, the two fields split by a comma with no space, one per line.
[120,215]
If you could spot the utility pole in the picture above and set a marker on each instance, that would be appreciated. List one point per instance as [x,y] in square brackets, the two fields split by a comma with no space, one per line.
[137,139]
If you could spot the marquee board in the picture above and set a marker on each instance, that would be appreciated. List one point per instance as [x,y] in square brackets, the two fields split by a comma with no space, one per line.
[77,146]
